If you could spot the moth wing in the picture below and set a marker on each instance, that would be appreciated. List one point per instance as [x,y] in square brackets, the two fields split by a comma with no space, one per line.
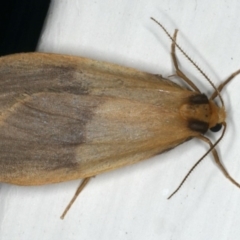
[64,117]
[51,137]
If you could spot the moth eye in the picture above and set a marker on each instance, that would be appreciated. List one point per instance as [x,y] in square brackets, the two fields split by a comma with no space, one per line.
[216,128]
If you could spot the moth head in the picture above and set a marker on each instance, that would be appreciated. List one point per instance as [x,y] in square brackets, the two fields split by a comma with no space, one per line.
[202,114]
[218,116]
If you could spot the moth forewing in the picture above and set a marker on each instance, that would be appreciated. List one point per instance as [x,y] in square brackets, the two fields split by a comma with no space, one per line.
[61,130]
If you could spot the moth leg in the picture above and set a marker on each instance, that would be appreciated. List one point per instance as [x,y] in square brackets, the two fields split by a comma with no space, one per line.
[222,85]
[79,189]
[179,73]
[217,160]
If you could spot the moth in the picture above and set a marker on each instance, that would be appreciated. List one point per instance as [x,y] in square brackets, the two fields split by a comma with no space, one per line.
[65,117]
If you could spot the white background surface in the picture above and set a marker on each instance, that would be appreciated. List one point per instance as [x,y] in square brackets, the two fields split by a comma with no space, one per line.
[131,203]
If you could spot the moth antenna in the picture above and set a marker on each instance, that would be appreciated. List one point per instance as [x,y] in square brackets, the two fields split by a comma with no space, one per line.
[200,160]
[186,176]
[194,64]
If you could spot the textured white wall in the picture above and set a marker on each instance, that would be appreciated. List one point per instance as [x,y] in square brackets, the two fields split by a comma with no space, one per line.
[130,203]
